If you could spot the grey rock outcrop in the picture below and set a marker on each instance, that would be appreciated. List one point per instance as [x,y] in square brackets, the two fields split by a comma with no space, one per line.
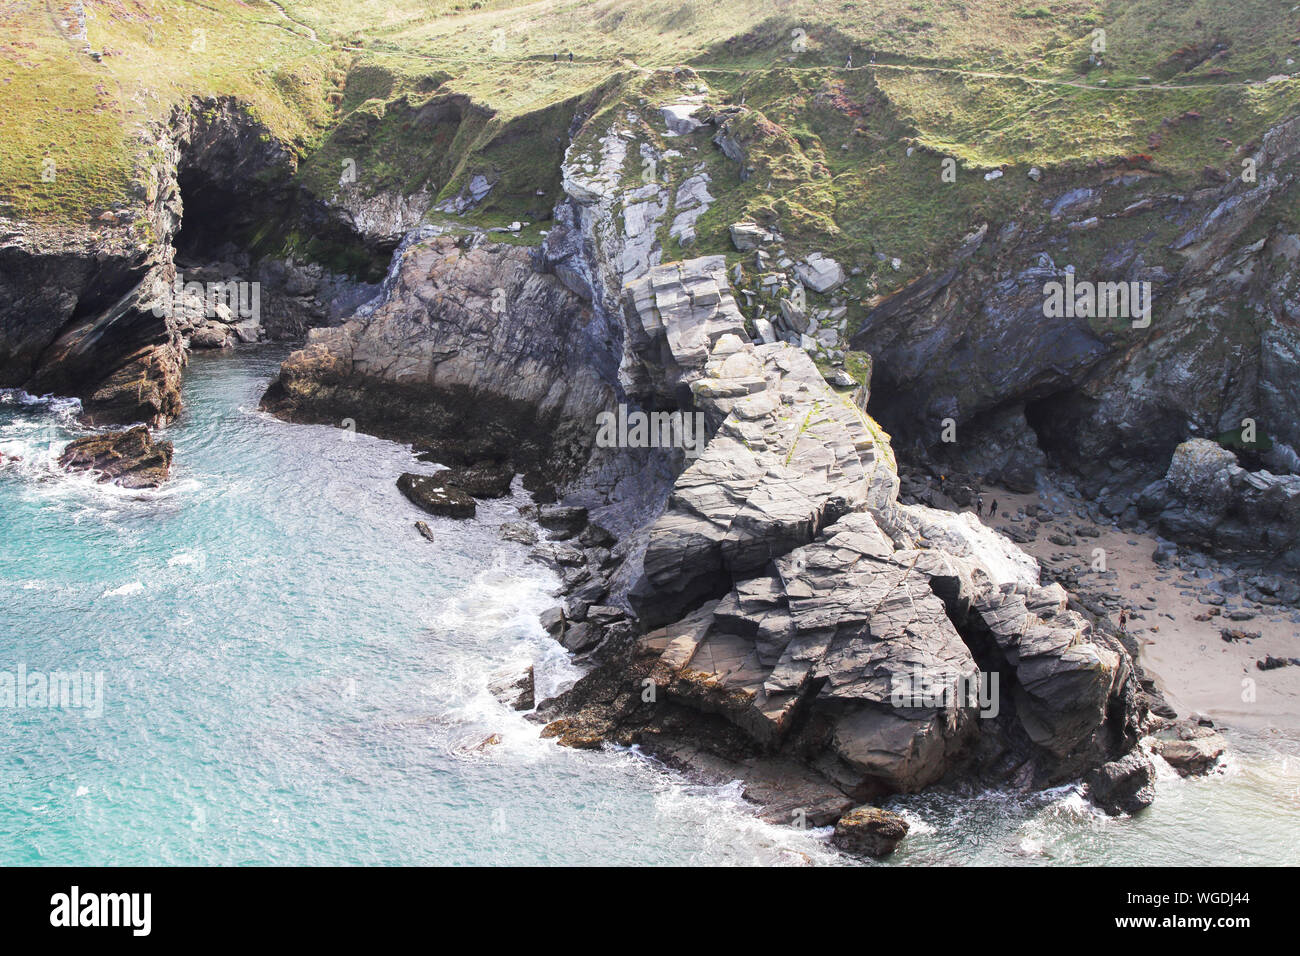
[471,352]
[787,593]
[819,273]
[1126,785]
[1206,498]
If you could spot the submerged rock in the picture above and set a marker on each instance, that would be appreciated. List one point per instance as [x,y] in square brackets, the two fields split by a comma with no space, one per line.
[435,496]
[520,532]
[869,831]
[514,690]
[131,458]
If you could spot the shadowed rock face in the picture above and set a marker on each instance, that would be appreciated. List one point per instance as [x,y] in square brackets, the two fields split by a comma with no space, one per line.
[84,312]
[971,341]
[75,320]
[471,353]
[131,458]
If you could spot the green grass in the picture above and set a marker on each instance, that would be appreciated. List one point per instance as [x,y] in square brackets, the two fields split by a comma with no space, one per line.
[425,94]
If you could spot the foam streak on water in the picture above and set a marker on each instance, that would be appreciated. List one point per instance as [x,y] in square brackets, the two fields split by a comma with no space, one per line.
[293,675]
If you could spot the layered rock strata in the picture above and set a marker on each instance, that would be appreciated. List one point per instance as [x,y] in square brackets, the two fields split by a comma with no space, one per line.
[793,608]
[470,353]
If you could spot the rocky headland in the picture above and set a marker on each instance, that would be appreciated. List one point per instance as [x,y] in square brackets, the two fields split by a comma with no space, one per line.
[803,600]
[762,623]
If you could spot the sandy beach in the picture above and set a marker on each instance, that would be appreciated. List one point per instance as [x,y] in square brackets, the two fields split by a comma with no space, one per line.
[1183,646]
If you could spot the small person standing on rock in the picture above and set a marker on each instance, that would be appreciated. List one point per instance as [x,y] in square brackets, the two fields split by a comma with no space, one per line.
[993,508]
[979,504]
[1123,620]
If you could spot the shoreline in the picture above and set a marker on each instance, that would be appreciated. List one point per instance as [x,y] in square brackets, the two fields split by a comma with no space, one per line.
[1182,648]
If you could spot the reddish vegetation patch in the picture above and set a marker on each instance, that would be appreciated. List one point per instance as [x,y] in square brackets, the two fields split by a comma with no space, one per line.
[833,96]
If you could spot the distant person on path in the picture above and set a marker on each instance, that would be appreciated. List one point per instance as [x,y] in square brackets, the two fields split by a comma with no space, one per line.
[570,56]
[979,504]
[1123,620]
[993,508]
[848,64]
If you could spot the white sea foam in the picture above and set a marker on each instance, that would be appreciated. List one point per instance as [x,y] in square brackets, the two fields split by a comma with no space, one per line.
[126,590]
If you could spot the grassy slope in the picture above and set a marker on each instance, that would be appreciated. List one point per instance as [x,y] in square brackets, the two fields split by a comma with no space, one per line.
[989,83]
[90,117]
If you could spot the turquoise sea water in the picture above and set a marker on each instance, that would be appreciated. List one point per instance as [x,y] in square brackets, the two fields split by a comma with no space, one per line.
[292,675]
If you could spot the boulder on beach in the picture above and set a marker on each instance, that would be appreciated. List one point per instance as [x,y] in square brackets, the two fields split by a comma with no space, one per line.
[131,459]
[436,496]
[1190,747]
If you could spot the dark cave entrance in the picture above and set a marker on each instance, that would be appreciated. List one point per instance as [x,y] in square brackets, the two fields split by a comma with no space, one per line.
[217,221]
[226,221]
[1058,422]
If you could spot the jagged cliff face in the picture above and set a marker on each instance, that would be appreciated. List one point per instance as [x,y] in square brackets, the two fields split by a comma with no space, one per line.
[1110,400]
[782,601]
[471,352]
[84,315]
[780,588]
[93,313]
[74,317]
